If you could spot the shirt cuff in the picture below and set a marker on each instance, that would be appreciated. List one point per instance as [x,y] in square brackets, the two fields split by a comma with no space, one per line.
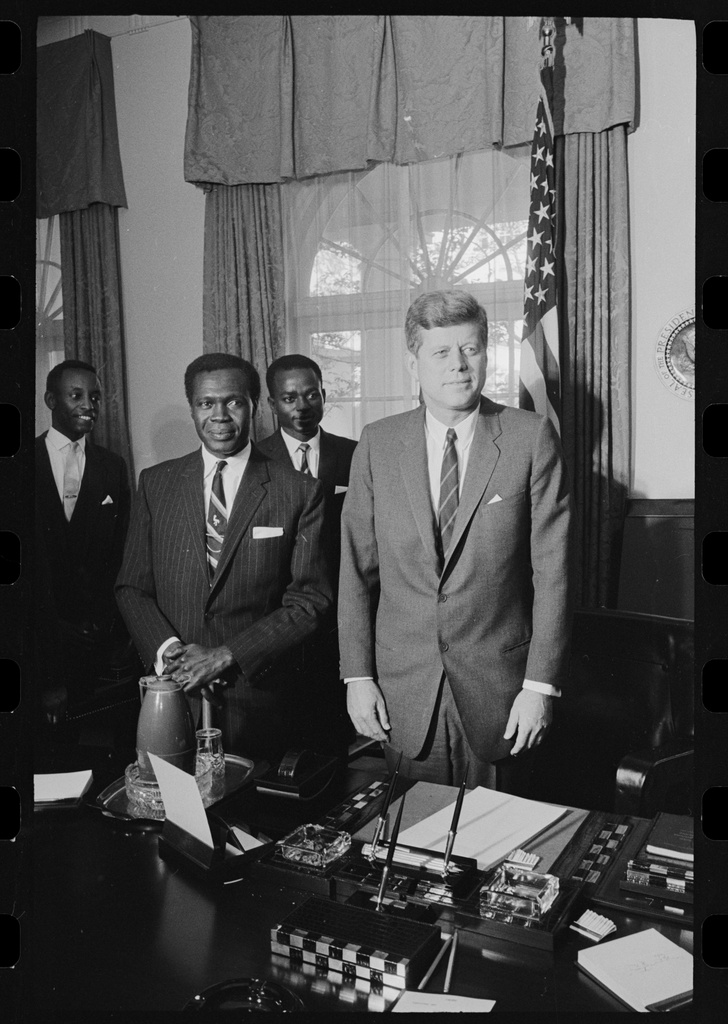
[159,664]
[357,679]
[547,688]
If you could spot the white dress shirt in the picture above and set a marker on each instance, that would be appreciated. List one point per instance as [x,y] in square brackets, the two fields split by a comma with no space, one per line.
[313,454]
[231,477]
[436,437]
[57,445]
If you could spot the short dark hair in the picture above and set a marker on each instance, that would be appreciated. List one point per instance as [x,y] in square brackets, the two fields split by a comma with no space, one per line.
[443,309]
[211,361]
[283,364]
[53,380]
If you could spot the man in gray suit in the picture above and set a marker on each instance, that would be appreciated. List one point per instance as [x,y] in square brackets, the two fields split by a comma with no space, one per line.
[454,610]
[223,573]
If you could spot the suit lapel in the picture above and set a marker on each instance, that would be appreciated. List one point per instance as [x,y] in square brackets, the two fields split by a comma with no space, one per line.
[327,461]
[415,475]
[253,488]
[89,497]
[192,497]
[49,498]
[484,454]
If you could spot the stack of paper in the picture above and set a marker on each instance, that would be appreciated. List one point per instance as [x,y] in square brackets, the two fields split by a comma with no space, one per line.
[491,825]
[645,970]
[61,786]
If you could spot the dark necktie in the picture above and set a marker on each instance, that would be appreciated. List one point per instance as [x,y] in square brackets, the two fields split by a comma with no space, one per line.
[216,519]
[448,493]
[71,478]
[305,468]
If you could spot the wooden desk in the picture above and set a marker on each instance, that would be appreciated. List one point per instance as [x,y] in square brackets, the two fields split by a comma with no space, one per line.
[114,928]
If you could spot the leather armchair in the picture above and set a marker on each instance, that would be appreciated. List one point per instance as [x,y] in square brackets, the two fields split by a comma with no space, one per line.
[623,733]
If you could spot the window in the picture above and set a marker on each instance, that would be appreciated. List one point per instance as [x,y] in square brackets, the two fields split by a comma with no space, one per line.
[360,246]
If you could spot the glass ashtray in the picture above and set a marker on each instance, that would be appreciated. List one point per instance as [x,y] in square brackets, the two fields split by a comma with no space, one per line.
[519,892]
[144,796]
[314,846]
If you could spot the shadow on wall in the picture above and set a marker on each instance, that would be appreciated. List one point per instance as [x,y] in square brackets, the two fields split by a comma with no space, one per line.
[172,434]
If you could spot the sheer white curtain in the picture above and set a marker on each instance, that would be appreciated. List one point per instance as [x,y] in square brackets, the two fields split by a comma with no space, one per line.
[359,246]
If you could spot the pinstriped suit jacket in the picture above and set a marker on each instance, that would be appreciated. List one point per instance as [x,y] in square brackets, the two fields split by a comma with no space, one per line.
[267,594]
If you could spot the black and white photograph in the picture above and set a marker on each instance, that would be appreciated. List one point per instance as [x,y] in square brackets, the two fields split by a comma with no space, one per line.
[360,669]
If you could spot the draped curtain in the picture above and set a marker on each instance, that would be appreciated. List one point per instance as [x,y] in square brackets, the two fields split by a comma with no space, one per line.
[595,351]
[79,177]
[92,321]
[242,309]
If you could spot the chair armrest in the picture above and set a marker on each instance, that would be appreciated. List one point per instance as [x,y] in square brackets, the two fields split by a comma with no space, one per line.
[658,779]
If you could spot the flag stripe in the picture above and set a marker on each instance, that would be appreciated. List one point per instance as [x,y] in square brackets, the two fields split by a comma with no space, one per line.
[540,384]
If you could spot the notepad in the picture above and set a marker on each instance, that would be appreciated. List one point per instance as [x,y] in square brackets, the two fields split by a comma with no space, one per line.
[59,786]
[440,1002]
[641,969]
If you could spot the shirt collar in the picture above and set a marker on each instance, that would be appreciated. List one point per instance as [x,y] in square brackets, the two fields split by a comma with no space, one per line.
[59,440]
[292,443]
[210,461]
[464,430]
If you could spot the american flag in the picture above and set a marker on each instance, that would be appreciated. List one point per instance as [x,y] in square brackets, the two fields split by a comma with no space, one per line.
[540,384]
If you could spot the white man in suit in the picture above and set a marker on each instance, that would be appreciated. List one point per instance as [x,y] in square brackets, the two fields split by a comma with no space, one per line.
[297,399]
[223,574]
[454,605]
[82,513]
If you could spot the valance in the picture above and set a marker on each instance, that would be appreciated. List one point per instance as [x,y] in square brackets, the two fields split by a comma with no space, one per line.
[277,97]
[78,161]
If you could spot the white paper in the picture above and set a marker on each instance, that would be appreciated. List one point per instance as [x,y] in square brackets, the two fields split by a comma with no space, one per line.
[640,969]
[245,839]
[182,800]
[491,825]
[440,1002]
[61,786]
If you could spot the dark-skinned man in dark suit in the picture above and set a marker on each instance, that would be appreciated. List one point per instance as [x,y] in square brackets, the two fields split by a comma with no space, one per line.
[224,574]
[82,513]
[297,399]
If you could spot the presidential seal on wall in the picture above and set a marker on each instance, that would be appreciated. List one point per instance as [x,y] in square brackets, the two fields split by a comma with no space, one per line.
[675,355]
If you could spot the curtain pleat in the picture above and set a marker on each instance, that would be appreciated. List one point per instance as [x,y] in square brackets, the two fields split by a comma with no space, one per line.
[242,309]
[595,326]
[92,318]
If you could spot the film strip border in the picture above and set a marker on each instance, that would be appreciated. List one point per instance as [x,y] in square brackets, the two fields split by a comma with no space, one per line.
[17,400]
[711,508]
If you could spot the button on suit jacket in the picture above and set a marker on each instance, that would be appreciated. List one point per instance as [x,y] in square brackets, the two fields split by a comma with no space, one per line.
[267,595]
[498,612]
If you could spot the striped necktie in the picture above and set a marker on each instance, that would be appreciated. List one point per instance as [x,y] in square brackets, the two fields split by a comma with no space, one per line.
[305,468]
[71,478]
[216,519]
[448,493]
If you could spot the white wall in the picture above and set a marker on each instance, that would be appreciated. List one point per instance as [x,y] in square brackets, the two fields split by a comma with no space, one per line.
[162,237]
[662,212]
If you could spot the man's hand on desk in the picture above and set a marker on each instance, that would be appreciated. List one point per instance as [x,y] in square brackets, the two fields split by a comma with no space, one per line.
[367,710]
[529,720]
[197,667]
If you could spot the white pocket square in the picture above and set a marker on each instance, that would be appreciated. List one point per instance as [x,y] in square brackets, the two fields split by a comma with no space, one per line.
[496,498]
[261,532]
[108,500]
[338,489]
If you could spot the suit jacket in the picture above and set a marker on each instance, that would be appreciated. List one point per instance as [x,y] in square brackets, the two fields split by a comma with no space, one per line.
[498,612]
[333,471]
[81,559]
[268,592]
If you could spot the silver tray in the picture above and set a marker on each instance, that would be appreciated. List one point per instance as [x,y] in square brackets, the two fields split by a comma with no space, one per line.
[113,801]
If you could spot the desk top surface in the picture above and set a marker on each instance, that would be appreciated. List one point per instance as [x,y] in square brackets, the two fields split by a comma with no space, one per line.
[115,928]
